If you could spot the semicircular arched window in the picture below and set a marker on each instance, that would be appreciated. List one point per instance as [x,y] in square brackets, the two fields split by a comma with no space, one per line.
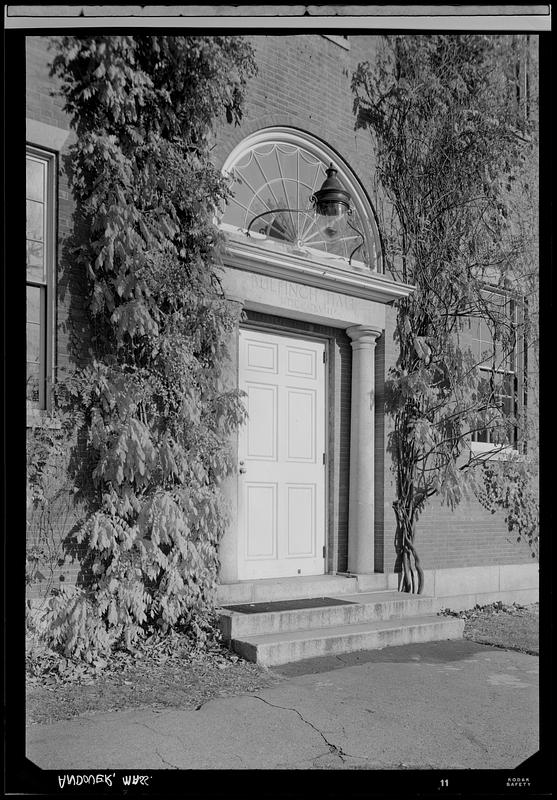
[275,173]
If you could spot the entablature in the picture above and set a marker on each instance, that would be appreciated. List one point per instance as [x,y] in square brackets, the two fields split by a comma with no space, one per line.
[259,255]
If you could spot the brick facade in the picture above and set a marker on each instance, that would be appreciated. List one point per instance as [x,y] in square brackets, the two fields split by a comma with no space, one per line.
[71,320]
[303,82]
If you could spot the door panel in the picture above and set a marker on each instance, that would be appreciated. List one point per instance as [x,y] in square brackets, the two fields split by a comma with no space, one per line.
[261,522]
[263,427]
[300,425]
[300,363]
[281,498]
[262,357]
[301,520]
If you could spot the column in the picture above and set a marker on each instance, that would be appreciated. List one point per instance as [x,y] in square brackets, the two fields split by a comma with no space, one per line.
[362,450]
[228,547]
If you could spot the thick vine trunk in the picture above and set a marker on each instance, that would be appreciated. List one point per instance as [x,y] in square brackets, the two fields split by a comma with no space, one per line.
[408,563]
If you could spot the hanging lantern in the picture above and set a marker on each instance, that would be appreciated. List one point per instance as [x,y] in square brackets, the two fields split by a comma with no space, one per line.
[331,213]
[331,204]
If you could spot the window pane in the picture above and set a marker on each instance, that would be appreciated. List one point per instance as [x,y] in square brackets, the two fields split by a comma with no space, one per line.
[503,379]
[485,334]
[504,353]
[39,248]
[35,222]
[35,180]
[35,262]
[481,344]
[33,383]
[278,175]
[35,254]
[33,343]
[507,403]
[507,393]
[33,304]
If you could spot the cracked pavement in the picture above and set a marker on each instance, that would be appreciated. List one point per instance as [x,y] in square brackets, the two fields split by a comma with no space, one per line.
[332,748]
[437,705]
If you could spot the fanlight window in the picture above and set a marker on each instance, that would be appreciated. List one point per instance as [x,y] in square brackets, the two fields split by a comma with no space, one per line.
[281,177]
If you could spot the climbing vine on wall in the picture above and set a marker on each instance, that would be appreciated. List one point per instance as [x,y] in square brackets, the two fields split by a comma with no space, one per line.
[455,145]
[511,486]
[156,408]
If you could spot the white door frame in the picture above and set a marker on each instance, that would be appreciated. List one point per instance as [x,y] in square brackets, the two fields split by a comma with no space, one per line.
[245,570]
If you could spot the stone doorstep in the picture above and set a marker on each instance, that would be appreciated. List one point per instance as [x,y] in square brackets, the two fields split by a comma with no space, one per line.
[372,618]
[377,616]
[364,607]
[269,589]
[282,648]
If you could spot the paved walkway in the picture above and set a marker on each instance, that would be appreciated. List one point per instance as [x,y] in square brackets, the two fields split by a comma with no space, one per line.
[440,705]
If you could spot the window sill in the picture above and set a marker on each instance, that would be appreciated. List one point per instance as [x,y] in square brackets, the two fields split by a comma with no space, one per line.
[38,418]
[482,451]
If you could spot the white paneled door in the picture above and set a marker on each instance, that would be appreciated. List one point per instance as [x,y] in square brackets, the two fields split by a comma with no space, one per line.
[281,501]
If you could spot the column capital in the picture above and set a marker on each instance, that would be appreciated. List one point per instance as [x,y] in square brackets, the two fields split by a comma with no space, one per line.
[364,334]
[234,298]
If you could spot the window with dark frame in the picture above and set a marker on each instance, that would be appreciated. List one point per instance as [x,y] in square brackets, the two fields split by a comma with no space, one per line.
[40,251]
[499,367]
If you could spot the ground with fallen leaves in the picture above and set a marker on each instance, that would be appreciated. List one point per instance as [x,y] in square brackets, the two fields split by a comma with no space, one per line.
[512,627]
[165,674]
[170,673]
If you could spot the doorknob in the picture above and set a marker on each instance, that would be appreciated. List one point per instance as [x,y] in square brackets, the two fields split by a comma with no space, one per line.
[242,469]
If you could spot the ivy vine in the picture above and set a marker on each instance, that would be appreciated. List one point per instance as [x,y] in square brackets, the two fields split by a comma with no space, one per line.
[512,486]
[157,412]
[454,153]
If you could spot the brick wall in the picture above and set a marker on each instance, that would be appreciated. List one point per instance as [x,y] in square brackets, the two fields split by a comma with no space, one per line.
[71,334]
[40,104]
[303,82]
[71,345]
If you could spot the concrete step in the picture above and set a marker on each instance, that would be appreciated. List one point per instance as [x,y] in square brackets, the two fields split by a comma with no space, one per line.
[282,648]
[269,589]
[365,607]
